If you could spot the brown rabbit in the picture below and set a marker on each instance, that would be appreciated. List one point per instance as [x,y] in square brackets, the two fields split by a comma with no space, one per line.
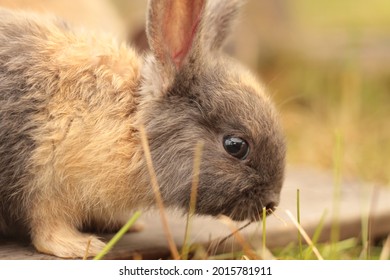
[70,109]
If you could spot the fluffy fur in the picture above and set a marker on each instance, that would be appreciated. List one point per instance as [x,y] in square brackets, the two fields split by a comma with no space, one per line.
[70,108]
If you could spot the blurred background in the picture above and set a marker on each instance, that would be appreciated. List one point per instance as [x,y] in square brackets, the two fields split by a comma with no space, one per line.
[325,63]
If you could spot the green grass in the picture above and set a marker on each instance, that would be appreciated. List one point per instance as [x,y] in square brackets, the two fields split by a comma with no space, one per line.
[349,249]
[118,236]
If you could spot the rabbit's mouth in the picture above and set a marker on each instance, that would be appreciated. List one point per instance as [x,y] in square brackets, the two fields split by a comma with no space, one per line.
[252,213]
[240,210]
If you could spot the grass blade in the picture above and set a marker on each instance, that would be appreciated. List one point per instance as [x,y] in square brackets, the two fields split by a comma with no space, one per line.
[304,235]
[337,154]
[218,242]
[317,233]
[299,222]
[245,246]
[157,194]
[385,254]
[118,236]
[264,215]
[194,192]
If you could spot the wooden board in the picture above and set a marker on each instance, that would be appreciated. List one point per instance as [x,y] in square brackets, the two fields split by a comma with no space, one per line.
[357,202]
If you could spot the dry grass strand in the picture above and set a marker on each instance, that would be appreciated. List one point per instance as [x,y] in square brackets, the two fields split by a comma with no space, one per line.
[304,235]
[385,254]
[156,191]
[236,233]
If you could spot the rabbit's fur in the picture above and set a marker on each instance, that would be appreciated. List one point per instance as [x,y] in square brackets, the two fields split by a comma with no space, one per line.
[71,105]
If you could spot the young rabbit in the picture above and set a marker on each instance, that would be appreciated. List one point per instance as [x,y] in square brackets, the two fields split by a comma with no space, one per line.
[70,110]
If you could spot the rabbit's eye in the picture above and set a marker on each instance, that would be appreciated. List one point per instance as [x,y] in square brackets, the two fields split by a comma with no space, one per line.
[236,147]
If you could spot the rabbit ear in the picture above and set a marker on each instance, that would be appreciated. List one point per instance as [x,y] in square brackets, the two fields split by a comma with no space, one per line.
[219,19]
[172,29]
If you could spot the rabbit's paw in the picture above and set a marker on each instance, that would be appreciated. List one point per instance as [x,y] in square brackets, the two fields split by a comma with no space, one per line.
[68,244]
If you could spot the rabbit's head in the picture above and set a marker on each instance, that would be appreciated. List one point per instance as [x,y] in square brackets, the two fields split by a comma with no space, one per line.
[192,92]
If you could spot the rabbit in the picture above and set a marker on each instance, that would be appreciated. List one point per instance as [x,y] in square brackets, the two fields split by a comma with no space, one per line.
[71,108]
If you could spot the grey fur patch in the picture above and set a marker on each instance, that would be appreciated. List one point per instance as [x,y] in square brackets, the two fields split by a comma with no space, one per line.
[16,143]
[18,107]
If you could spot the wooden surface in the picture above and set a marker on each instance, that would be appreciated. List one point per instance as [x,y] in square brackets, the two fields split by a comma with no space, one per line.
[357,201]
